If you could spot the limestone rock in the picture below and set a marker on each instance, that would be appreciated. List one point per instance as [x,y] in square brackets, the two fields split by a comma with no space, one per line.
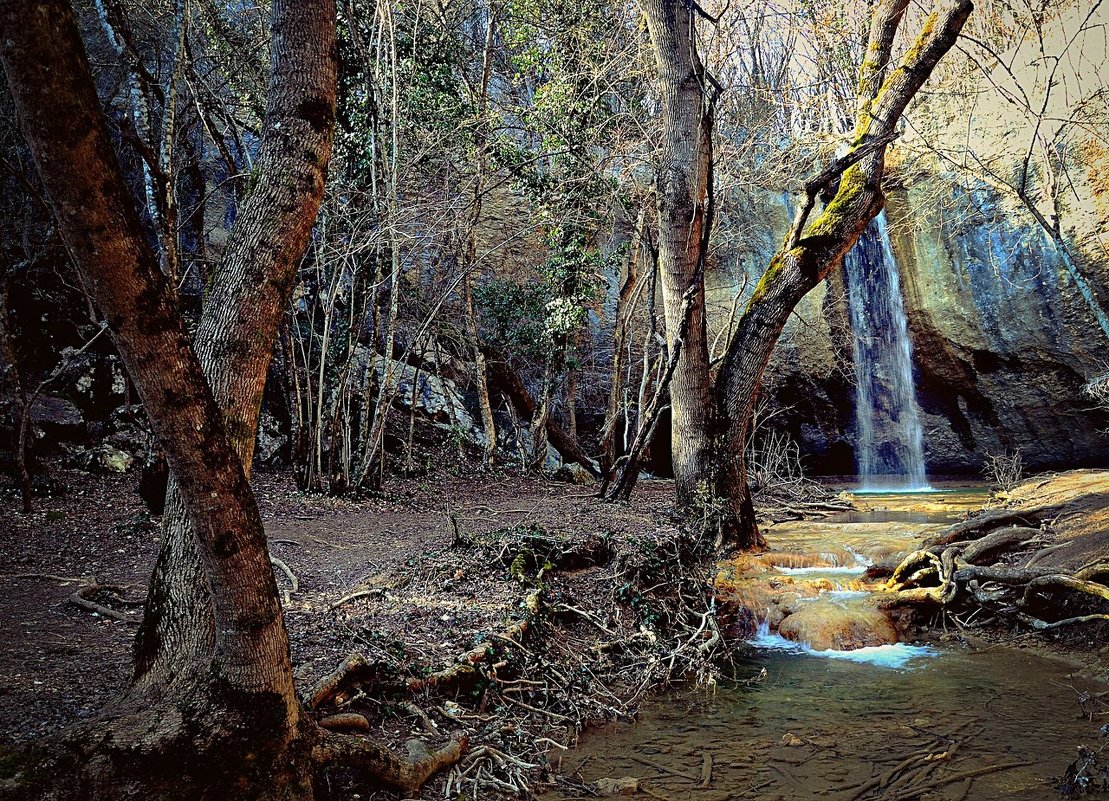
[573,473]
[826,625]
[107,458]
[270,439]
[626,785]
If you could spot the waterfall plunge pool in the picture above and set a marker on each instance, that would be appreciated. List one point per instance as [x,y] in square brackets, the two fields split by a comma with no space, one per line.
[934,722]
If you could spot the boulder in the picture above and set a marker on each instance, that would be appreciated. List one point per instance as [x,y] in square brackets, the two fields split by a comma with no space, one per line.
[58,418]
[827,625]
[271,439]
[573,473]
[625,785]
[107,458]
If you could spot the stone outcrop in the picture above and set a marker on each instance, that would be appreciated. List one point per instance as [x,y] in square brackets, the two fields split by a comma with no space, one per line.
[1002,340]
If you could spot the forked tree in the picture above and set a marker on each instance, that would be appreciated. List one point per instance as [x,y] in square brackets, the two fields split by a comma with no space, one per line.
[712,418]
[211,711]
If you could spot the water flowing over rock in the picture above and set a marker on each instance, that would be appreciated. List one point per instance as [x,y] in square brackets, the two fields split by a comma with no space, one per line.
[890,438]
[1002,341]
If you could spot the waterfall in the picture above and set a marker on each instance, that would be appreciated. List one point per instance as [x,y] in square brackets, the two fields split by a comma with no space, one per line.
[890,446]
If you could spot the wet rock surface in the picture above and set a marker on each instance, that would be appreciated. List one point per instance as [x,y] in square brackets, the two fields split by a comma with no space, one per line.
[1002,342]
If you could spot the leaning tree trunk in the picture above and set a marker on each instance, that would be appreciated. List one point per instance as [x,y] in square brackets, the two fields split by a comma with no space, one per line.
[684,198]
[243,309]
[222,719]
[810,255]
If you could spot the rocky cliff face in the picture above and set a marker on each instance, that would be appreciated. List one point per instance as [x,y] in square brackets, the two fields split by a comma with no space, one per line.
[1002,340]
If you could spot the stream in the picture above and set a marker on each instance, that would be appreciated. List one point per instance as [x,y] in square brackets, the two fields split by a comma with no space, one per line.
[896,721]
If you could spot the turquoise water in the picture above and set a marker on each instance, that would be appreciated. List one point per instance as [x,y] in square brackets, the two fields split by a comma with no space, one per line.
[852,722]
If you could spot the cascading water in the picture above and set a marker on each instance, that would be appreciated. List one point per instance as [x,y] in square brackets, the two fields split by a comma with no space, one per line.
[890,448]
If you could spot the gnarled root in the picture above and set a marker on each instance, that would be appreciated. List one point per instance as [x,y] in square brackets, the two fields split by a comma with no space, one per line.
[1037,585]
[997,542]
[83,599]
[353,668]
[981,525]
[406,773]
[1097,571]
[956,574]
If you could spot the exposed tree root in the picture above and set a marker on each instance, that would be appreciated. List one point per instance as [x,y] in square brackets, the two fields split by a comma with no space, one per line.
[1097,571]
[407,773]
[83,599]
[345,721]
[950,569]
[353,668]
[998,541]
[982,524]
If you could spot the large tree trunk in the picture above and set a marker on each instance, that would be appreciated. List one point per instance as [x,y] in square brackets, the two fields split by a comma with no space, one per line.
[214,685]
[683,192]
[809,257]
[243,309]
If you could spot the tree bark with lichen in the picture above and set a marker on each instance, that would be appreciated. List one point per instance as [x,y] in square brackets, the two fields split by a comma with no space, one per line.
[811,253]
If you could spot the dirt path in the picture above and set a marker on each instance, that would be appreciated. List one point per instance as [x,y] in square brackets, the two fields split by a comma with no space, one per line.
[59,663]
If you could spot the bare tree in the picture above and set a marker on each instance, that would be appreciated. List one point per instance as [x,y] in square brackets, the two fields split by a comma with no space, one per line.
[213,675]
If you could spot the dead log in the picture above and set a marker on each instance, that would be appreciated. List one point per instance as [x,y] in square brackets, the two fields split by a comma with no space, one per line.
[508,381]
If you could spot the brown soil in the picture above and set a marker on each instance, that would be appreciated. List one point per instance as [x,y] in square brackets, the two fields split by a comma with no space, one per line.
[60,663]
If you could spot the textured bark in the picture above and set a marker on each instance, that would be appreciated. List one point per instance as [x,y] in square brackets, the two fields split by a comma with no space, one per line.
[226,686]
[810,257]
[683,196]
[246,300]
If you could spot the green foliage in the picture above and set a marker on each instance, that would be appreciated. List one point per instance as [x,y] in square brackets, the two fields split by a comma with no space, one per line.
[514,315]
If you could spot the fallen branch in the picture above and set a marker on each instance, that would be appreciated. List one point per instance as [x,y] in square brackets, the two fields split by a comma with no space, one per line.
[354,596]
[958,777]
[83,599]
[289,574]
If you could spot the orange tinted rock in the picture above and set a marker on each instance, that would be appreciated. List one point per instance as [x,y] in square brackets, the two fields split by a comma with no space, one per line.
[827,625]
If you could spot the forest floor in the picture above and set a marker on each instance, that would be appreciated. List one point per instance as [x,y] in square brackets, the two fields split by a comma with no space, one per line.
[436,566]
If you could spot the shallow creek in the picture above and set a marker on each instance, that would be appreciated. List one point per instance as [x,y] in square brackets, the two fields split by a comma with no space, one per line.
[897,721]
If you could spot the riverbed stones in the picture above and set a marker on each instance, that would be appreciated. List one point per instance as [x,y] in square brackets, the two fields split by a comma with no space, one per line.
[828,625]
[625,785]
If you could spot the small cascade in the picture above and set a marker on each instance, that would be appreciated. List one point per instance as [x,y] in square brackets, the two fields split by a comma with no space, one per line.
[890,447]
[895,655]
